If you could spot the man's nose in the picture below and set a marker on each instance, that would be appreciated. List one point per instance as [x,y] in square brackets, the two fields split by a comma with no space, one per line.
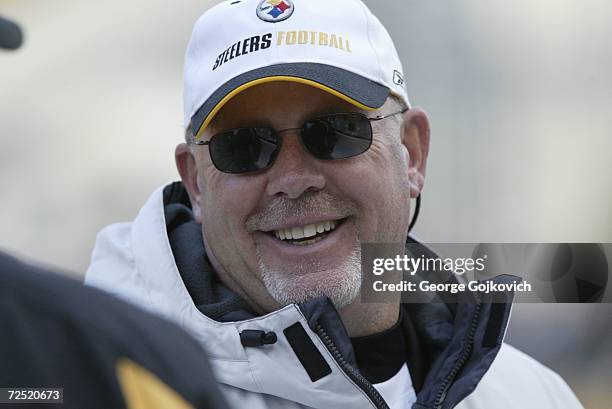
[295,170]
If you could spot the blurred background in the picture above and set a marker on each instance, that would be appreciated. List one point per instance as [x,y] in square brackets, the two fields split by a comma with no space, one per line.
[519,94]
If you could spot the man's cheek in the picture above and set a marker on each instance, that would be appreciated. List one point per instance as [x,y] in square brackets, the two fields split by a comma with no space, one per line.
[232,212]
[365,190]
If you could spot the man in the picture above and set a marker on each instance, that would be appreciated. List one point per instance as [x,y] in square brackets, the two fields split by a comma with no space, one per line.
[301,147]
[82,348]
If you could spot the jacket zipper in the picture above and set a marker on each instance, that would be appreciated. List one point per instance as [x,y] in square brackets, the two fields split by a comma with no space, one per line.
[355,376]
[467,351]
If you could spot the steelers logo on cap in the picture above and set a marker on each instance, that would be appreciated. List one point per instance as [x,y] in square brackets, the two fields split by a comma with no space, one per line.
[274,11]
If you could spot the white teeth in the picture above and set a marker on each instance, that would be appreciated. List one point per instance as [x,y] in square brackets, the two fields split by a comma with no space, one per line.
[297,233]
[310,230]
[305,232]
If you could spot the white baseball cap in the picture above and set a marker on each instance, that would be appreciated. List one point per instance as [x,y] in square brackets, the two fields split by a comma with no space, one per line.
[338,46]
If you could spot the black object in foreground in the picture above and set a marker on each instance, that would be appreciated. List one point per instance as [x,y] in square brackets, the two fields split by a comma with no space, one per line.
[102,352]
[11,35]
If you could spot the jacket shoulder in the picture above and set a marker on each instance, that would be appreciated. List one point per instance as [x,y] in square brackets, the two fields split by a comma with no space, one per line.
[112,262]
[515,380]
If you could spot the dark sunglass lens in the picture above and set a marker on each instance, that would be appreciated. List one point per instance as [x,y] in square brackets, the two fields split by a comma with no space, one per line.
[244,150]
[337,136]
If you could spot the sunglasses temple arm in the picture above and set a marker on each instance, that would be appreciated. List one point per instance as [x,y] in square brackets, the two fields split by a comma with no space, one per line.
[380,118]
[417,210]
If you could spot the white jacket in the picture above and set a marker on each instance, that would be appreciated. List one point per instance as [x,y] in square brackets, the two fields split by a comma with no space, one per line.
[135,262]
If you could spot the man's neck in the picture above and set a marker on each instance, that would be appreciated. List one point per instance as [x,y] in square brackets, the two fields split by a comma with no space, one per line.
[362,319]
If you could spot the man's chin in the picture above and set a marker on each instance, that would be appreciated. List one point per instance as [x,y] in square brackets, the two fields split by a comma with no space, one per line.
[341,286]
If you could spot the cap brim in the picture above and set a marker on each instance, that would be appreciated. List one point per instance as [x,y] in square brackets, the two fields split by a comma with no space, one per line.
[353,88]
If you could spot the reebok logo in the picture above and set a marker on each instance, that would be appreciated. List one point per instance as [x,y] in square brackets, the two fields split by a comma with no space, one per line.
[398,78]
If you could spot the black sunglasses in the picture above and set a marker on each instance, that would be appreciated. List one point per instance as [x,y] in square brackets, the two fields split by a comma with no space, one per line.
[327,137]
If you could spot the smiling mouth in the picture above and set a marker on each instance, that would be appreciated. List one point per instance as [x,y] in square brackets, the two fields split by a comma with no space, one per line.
[307,235]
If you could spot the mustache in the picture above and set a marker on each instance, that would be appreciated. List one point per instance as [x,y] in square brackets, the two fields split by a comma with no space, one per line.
[309,204]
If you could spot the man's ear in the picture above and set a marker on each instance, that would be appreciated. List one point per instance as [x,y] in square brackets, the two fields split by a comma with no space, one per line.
[415,137]
[188,169]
